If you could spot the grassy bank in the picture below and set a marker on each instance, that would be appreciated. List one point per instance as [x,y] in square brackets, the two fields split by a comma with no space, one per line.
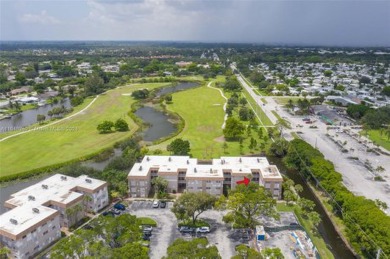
[263,117]
[376,137]
[72,139]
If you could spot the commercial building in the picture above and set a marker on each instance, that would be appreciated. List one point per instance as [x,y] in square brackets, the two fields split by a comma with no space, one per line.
[192,175]
[37,213]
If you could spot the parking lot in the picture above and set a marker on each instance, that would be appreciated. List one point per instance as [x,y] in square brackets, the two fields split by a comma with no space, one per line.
[167,230]
[356,177]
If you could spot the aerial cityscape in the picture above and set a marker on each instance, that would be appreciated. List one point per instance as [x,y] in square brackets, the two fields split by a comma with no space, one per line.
[194,129]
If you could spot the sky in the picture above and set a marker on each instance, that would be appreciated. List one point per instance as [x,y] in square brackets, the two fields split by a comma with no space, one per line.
[292,22]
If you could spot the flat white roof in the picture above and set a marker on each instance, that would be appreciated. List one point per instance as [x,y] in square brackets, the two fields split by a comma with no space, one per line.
[56,188]
[237,165]
[17,220]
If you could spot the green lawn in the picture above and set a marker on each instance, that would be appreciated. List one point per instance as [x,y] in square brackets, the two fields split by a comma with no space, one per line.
[202,110]
[70,139]
[148,221]
[383,141]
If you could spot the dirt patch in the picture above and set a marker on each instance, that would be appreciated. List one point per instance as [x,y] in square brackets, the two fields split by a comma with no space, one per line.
[220,139]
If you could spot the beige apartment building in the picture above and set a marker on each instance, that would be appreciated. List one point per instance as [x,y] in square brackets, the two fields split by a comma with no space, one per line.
[212,176]
[37,213]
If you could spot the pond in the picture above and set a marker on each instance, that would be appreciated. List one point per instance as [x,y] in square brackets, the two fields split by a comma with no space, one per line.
[175,88]
[29,117]
[158,123]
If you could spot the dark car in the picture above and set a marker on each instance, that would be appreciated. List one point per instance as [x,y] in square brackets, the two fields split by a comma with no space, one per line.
[116,212]
[185,229]
[163,204]
[108,213]
[146,237]
[119,206]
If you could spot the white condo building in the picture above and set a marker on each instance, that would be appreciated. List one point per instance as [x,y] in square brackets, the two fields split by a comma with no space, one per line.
[192,175]
[37,213]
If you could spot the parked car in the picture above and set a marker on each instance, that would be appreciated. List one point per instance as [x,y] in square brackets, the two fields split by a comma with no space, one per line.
[119,206]
[116,212]
[146,237]
[108,213]
[185,229]
[147,228]
[203,230]
[163,204]
[155,204]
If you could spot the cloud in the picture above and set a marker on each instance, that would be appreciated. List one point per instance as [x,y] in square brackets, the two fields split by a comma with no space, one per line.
[42,18]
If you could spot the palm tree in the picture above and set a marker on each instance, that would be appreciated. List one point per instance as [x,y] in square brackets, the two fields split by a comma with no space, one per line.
[290,104]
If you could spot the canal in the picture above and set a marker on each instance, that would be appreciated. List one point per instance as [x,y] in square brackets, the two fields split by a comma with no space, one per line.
[326,229]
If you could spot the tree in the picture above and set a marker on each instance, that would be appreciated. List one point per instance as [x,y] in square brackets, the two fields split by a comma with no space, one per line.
[195,248]
[244,252]
[131,250]
[160,186]
[140,94]
[386,91]
[20,78]
[121,125]
[191,204]
[306,205]
[179,147]
[232,84]
[272,253]
[105,127]
[40,118]
[290,104]
[315,218]
[93,85]
[243,101]
[365,80]
[224,146]
[279,147]
[328,73]
[245,204]
[234,129]
[168,98]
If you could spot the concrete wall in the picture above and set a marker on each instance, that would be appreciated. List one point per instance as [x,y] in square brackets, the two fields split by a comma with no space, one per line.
[35,241]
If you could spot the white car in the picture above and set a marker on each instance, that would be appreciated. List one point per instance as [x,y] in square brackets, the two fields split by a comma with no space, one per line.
[203,230]
[156,204]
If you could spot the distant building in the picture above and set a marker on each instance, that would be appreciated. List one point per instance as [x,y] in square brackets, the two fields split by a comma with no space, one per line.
[21,90]
[183,63]
[188,174]
[37,213]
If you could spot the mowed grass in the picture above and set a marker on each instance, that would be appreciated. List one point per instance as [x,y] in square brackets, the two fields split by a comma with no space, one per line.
[202,110]
[70,139]
[376,137]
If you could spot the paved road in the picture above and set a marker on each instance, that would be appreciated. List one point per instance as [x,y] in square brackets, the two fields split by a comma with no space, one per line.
[356,177]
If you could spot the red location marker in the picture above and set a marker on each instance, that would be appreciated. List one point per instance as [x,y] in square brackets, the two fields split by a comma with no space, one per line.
[245,181]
